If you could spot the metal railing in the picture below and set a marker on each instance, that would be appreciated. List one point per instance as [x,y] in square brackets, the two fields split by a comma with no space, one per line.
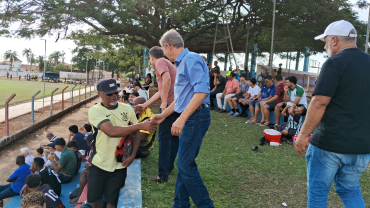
[33,107]
[7,113]
[51,101]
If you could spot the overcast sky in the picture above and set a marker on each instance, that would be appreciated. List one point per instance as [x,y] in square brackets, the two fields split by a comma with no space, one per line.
[37,46]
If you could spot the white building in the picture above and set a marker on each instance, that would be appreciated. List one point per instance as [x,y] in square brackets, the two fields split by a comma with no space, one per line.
[5,64]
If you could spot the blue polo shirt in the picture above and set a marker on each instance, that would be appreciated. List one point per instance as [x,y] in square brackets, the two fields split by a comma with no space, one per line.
[268,91]
[20,174]
[192,77]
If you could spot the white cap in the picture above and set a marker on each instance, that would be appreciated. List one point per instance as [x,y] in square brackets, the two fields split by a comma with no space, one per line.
[338,28]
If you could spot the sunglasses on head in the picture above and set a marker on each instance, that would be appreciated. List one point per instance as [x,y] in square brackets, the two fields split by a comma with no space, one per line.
[110,94]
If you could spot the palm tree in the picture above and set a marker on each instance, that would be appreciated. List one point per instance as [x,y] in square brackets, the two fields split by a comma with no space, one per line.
[12,56]
[32,59]
[40,61]
[27,52]
[54,57]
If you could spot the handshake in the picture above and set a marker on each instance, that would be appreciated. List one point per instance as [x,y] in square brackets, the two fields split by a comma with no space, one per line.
[152,123]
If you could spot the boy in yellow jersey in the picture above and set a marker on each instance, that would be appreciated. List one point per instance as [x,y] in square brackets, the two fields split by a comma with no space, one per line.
[146,138]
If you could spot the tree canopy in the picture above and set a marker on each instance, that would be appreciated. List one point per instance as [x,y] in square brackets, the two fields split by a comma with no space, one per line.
[144,21]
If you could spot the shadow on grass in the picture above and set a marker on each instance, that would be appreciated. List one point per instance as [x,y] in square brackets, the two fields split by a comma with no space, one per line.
[238,177]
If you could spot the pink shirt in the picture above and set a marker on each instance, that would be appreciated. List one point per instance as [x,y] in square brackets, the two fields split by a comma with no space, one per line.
[230,85]
[161,66]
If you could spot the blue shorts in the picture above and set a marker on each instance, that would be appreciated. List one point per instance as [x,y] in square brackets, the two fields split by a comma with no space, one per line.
[255,103]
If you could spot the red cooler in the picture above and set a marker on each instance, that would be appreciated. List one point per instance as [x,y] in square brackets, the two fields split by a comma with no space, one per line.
[272,135]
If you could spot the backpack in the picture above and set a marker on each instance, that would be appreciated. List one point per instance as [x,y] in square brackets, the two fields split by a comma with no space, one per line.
[124,149]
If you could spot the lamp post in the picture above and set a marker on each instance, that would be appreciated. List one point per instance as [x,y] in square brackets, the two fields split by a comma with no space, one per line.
[43,94]
[70,81]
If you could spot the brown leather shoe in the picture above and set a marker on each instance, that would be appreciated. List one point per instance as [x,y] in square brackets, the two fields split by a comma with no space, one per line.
[157,179]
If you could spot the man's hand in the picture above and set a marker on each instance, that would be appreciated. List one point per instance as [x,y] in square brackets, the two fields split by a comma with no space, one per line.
[158,118]
[286,88]
[51,156]
[128,161]
[177,127]
[300,144]
[149,125]
[139,108]
[24,190]
[223,94]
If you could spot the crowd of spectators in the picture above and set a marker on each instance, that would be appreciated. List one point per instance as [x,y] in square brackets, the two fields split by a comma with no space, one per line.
[281,96]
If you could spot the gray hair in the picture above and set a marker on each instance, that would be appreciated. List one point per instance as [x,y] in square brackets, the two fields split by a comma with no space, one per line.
[25,151]
[350,38]
[172,37]
[156,52]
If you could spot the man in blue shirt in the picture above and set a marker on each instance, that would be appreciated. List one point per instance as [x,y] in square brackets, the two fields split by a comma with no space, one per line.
[191,100]
[16,180]
[79,138]
[267,92]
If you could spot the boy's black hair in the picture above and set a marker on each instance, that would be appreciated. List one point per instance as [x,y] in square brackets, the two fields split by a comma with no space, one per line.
[253,80]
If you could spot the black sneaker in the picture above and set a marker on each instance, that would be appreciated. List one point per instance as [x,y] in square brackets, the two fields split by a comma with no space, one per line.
[218,109]
[222,111]
[244,115]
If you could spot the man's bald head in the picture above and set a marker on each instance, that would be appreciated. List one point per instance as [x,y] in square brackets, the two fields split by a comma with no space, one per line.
[139,100]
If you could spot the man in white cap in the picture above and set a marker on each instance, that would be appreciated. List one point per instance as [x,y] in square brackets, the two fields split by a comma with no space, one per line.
[338,116]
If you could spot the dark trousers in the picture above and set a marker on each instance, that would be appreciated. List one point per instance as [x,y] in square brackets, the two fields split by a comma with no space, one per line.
[211,96]
[168,146]
[244,107]
[6,192]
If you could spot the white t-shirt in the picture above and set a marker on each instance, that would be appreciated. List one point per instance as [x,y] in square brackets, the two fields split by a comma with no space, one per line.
[29,159]
[58,154]
[142,94]
[254,90]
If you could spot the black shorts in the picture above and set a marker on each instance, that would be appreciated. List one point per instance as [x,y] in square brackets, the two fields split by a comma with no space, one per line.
[272,105]
[103,183]
[238,97]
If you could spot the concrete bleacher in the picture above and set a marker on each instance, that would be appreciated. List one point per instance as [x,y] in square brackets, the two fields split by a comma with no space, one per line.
[130,195]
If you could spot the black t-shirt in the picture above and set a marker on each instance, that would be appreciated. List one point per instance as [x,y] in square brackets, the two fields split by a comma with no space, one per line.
[345,77]
[50,177]
[211,83]
[79,160]
[279,70]
[52,200]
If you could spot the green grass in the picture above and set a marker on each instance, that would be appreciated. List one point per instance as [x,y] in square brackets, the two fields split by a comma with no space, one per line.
[238,177]
[25,90]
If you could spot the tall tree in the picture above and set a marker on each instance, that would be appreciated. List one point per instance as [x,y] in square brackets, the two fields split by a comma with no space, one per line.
[144,21]
[84,59]
[27,52]
[40,61]
[12,56]
[32,59]
[54,57]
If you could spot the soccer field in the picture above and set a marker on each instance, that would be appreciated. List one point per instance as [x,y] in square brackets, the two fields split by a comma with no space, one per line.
[25,89]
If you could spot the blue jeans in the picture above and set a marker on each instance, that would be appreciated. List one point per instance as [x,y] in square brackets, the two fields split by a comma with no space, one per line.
[168,146]
[6,192]
[64,179]
[212,95]
[345,170]
[189,183]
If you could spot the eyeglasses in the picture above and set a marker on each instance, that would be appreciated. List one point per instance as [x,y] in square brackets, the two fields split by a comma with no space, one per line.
[110,94]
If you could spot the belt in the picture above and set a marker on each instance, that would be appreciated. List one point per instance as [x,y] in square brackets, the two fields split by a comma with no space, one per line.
[67,175]
[202,106]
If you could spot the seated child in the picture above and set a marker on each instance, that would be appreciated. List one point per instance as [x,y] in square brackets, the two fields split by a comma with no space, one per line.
[295,122]
[146,138]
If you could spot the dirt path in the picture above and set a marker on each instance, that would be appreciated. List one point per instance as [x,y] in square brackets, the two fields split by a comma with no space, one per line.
[59,128]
